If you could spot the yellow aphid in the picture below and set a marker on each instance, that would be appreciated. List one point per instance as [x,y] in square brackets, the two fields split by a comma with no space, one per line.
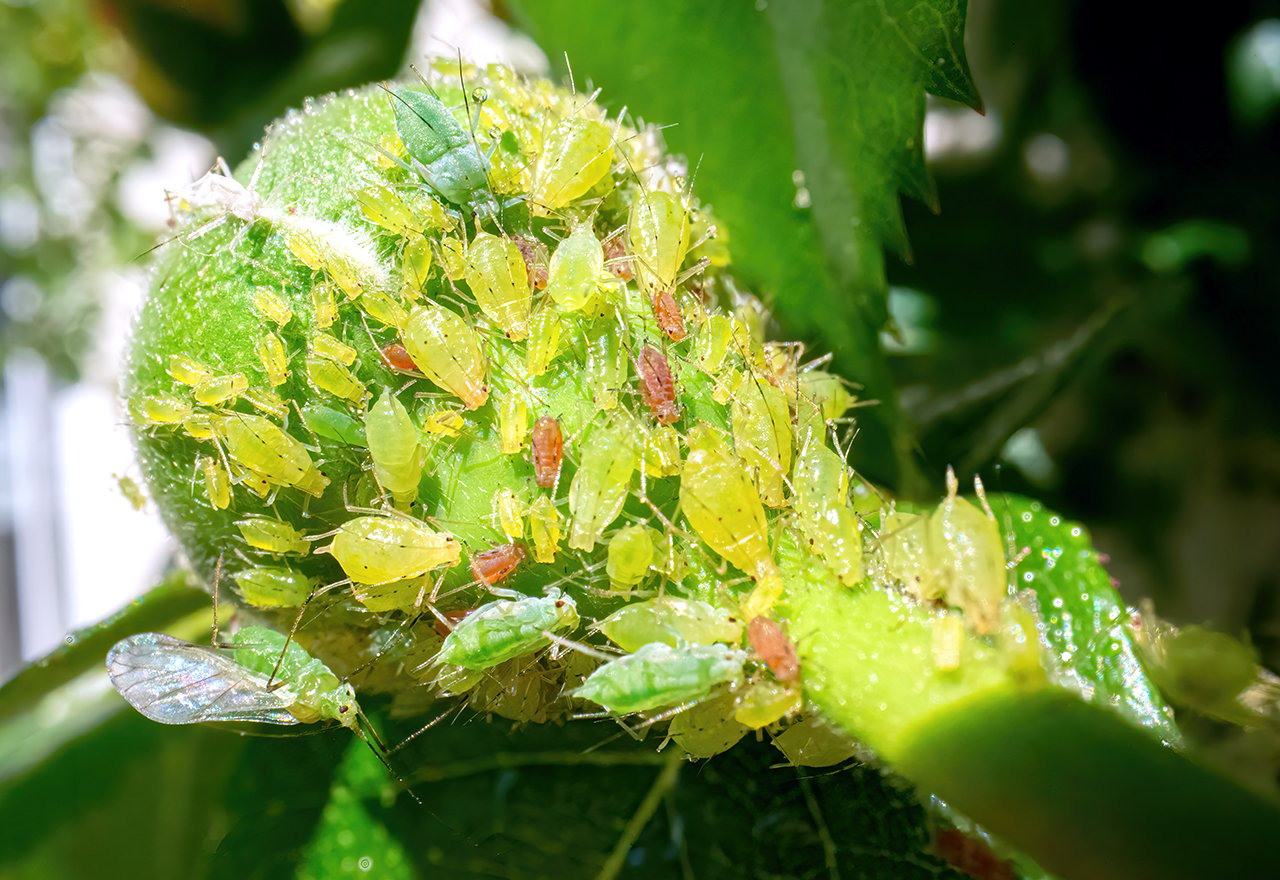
[446,422]
[499,281]
[199,426]
[381,549]
[724,508]
[762,435]
[545,529]
[964,545]
[509,511]
[131,491]
[821,492]
[631,552]
[382,307]
[903,554]
[711,343]
[544,339]
[948,643]
[415,264]
[333,348]
[828,392]
[453,258]
[658,232]
[575,156]
[727,385]
[220,389]
[264,449]
[660,456]
[349,260]
[334,378]
[188,370]
[390,148]
[397,455]
[322,301]
[217,482]
[387,209]
[164,409]
[274,358]
[255,483]
[513,422]
[272,535]
[267,401]
[447,350]
[602,482]
[764,702]
[271,305]
[1020,644]
[576,269]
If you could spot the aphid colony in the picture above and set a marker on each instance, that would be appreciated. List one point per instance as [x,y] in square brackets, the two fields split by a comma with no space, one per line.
[461,375]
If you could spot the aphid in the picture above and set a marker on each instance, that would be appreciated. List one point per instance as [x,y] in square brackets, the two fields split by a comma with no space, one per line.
[829,392]
[334,424]
[659,675]
[131,491]
[904,557]
[453,258]
[602,482]
[164,409]
[407,594]
[708,728]
[415,265]
[446,422]
[631,552]
[606,367]
[535,260]
[965,547]
[667,313]
[657,388]
[346,256]
[401,212]
[773,647]
[272,535]
[499,281]
[658,233]
[271,305]
[508,628]
[617,259]
[495,564]
[513,420]
[576,269]
[544,344]
[381,549]
[575,156]
[333,377]
[217,482]
[971,855]
[447,351]
[948,642]
[547,445]
[509,511]
[188,370]
[267,401]
[762,436]
[217,390]
[724,508]
[175,682]
[544,529]
[273,587]
[661,454]
[199,426]
[442,151]
[398,456]
[381,306]
[765,702]
[265,449]
[821,491]
[396,356]
[333,348]
[322,302]
[1020,644]
[672,621]
[274,358]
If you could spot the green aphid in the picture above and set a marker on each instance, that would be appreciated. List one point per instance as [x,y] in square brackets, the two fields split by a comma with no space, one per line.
[334,424]
[442,151]
[272,535]
[672,621]
[507,628]
[273,587]
[659,675]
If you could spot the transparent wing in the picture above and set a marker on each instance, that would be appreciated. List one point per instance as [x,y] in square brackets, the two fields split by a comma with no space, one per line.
[175,682]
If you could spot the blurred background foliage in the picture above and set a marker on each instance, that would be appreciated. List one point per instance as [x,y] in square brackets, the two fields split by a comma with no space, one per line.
[1087,318]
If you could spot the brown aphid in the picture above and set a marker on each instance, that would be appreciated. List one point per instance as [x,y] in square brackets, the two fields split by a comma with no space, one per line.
[494,564]
[657,388]
[396,356]
[667,313]
[971,855]
[547,442]
[535,260]
[615,257]
[774,648]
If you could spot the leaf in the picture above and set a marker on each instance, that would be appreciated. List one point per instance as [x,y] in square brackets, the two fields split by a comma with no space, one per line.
[824,92]
[1086,620]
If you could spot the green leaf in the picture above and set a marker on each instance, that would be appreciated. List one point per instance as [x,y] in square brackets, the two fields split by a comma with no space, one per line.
[1086,621]
[832,90]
